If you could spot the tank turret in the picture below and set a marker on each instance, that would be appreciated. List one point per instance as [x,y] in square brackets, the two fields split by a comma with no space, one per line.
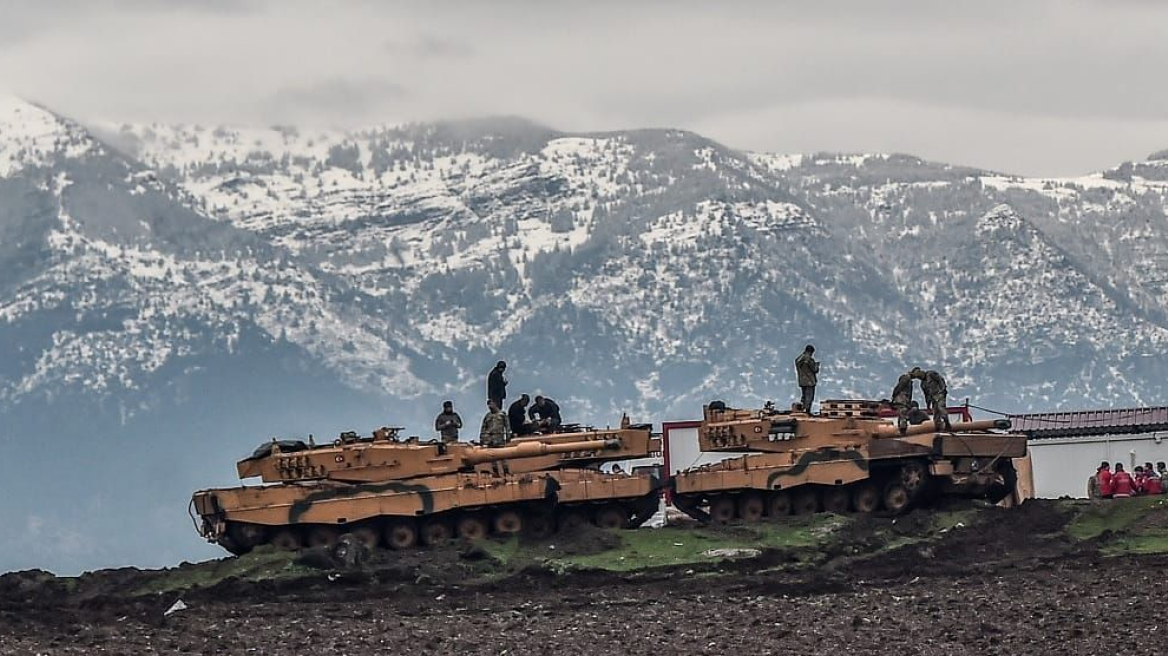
[384,458]
[768,430]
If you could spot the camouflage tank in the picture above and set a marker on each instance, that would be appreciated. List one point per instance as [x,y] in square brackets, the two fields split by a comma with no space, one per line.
[847,458]
[400,493]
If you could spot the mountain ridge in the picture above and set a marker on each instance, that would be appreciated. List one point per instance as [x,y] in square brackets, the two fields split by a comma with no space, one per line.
[224,286]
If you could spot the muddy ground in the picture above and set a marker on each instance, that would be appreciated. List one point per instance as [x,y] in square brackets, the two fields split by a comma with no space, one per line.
[998,582]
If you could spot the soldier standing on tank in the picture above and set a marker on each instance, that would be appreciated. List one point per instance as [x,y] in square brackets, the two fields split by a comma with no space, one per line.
[517,417]
[494,430]
[902,398]
[546,414]
[448,423]
[807,371]
[936,396]
[497,384]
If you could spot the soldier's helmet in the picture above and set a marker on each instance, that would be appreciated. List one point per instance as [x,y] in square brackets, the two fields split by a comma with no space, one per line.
[916,372]
[501,364]
[809,348]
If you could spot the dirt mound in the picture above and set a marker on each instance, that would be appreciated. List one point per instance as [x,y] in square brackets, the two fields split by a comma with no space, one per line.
[994,539]
[582,540]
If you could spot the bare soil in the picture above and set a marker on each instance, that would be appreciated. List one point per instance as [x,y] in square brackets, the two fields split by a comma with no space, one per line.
[1010,583]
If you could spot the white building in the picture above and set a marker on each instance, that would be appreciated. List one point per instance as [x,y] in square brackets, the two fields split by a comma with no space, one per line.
[1067,447]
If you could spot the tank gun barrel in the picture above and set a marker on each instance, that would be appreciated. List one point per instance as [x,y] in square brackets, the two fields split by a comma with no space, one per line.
[961,427]
[533,449]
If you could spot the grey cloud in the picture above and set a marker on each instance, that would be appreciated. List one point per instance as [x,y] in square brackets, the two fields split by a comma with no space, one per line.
[731,68]
[429,46]
[24,20]
[346,99]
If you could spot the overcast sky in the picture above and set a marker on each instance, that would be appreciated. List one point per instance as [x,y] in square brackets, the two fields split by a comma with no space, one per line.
[1048,88]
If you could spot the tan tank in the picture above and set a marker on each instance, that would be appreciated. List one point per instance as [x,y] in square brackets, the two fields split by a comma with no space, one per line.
[400,493]
[846,458]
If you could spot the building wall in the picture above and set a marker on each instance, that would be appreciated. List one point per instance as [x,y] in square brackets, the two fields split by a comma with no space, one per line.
[685,451]
[1063,465]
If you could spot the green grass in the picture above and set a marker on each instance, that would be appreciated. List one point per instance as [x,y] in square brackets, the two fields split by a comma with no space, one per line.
[1116,516]
[265,563]
[1127,526]
[944,521]
[1147,541]
[671,546]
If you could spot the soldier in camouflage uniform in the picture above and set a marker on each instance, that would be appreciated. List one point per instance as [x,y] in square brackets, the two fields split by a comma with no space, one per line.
[807,371]
[494,430]
[902,400]
[936,396]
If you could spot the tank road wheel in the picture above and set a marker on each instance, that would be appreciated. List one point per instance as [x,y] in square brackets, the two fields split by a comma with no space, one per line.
[323,537]
[612,517]
[750,507]
[436,532]
[287,539]
[570,520]
[508,522]
[896,498]
[471,527]
[539,525]
[245,537]
[806,501]
[401,534]
[837,500]
[866,497]
[722,509]
[779,505]
[914,476]
[368,535]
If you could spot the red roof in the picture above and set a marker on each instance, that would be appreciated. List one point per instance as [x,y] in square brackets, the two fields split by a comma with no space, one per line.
[1091,422]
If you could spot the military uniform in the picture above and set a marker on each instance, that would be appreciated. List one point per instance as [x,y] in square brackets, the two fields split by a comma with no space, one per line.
[902,399]
[936,398]
[494,430]
[447,425]
[807,371]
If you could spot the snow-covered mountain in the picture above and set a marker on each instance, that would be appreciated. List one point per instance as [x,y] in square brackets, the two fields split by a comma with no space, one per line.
[170,295]
[699,269]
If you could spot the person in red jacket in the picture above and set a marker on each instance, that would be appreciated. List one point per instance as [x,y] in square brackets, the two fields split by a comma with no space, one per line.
[1154,485]
[1122,484]
[1103,480]
[1140,481]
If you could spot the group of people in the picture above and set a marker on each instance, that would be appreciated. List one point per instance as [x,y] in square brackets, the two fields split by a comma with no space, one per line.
[522,417]
[908,411]
[1119,484]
